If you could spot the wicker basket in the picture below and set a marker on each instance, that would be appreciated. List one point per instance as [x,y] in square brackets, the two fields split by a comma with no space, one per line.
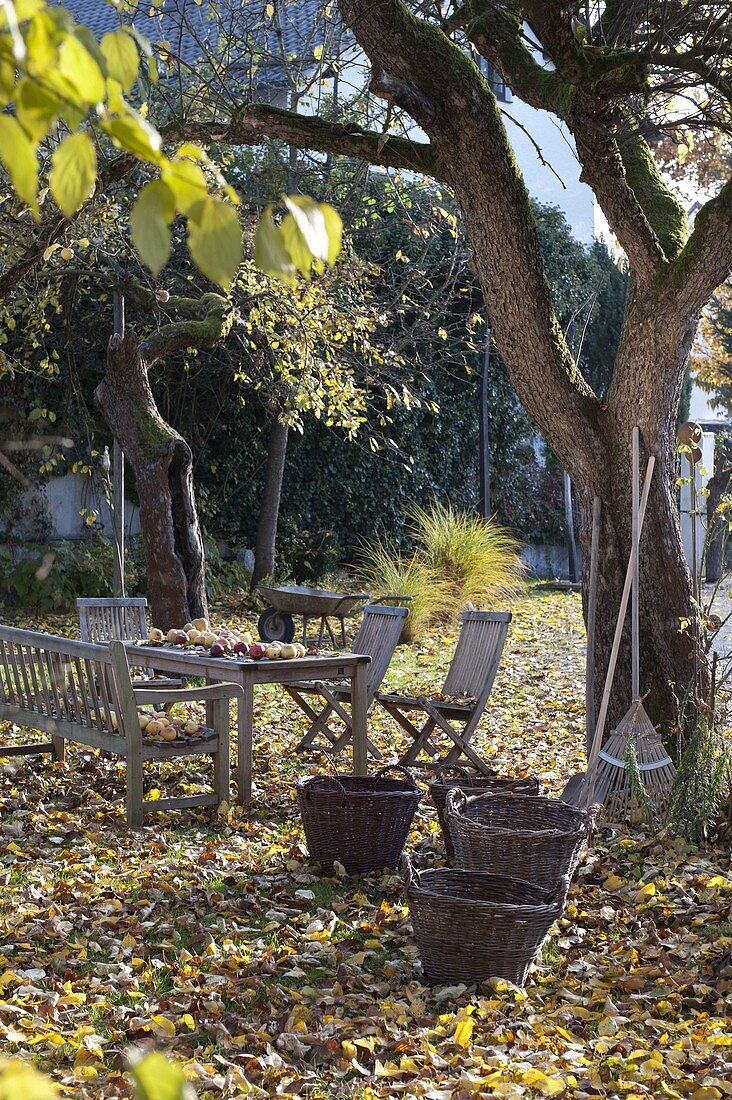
[536,838]
[470,925]
[360,821]
[472,784]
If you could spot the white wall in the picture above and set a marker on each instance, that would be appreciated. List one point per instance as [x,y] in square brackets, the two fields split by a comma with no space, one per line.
[700,409]
[702,472]
[64,499]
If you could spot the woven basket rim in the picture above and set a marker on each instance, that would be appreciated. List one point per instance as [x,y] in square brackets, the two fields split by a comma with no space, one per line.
[487,877]
[533,801]
[521,834]
[397,789]
[579,819]
[514,908]
[478,782]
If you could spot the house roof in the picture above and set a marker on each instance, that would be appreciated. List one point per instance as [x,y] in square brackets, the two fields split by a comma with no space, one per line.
[259,35]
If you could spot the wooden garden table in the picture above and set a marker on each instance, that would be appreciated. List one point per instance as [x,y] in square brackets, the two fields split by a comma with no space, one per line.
[247,673]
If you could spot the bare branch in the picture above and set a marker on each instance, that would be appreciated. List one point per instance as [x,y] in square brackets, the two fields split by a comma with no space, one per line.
[52,230]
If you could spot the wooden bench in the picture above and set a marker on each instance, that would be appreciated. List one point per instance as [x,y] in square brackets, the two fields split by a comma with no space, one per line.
[75,691]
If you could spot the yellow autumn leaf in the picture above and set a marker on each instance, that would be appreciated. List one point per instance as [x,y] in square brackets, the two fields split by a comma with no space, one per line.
[163,1027]
[547,1086]
[464,1031]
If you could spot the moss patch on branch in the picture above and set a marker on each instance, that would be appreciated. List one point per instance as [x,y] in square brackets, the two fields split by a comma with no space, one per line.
[663,211]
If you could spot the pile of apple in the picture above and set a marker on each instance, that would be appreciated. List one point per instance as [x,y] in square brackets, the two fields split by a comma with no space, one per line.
[225,642]
[163,727]
[284,651]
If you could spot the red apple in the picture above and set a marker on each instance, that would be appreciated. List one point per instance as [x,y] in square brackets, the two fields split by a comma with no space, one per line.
[180,639]
[217,650]
[241,648]
[256,651]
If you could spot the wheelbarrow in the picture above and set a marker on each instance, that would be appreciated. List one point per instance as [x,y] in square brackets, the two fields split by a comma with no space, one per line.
[277,624]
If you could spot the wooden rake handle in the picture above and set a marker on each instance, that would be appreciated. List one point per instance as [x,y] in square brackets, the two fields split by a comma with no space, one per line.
[602,716]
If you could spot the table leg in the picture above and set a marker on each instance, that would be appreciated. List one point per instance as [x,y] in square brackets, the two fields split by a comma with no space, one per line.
[358,719]
[245,729]
[209,706]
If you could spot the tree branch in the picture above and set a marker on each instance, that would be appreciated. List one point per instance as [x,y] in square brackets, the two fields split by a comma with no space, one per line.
[497,34]
[470,141]
[604,170]
[252,124]
[206,325]
[706,260]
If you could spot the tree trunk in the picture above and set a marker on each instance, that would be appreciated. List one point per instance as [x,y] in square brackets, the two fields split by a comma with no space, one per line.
[162,463]
[666,654]
[667,657]
[264,555]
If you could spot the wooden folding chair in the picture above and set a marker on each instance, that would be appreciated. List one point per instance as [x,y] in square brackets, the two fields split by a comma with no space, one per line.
[471,674]
[377,636]
[124,620]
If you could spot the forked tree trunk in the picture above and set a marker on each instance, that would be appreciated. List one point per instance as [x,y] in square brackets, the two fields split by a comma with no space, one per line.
[667,661]
[162,463]
[266,548]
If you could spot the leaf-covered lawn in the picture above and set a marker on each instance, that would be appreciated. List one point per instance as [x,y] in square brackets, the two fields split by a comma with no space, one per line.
[220,943]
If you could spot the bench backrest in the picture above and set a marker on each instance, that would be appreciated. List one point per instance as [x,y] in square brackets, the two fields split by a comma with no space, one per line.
[104,620]
[66,687]
[477,654]
[377,636]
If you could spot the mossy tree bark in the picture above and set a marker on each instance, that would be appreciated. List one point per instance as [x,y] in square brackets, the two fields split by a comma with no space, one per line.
[159,456]
[162,463]
[417,66]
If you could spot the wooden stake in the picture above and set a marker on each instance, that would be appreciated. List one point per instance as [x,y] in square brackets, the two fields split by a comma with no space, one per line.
[635,608]
[118,474]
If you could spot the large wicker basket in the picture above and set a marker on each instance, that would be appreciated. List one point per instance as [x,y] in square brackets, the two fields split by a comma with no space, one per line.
[360,821]
[470,925]
[535,838]
[472,783]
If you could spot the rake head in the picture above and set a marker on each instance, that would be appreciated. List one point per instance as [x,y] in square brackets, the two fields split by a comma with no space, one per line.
[634,772]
